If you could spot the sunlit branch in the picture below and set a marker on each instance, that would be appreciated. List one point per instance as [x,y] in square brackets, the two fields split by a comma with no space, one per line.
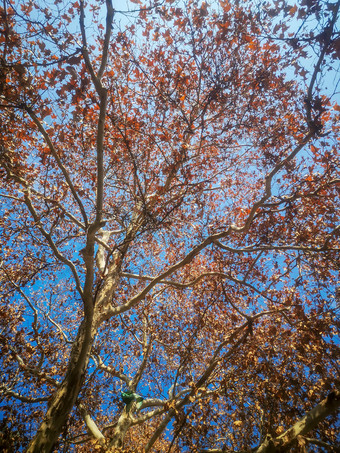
[52,245]
[61,207]
[159,430]
[170,282]
[187,399]
[100,365]
[186,260]
[308,422]
[161,404]
[25,399]
[209,369]
[325,408]
[216,237]
[47,199]
[320,443]
[268,183]
[59,328]
[215,360]
[91,425]
[11,197]
[298,195]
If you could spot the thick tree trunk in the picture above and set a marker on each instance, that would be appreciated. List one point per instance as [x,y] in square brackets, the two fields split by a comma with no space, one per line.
[66,395]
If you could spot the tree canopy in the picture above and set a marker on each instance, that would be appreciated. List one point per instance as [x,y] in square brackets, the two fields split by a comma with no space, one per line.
[169,229]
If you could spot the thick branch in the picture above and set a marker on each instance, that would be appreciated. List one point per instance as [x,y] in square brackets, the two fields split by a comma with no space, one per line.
[328,406]
[101,365]
[91,425]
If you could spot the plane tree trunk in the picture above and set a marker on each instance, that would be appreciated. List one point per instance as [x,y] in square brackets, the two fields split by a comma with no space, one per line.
[65,397]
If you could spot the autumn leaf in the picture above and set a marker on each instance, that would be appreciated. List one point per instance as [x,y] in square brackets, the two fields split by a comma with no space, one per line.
[169,226]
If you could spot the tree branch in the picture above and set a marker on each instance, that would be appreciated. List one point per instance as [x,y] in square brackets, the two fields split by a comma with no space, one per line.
[25,399]
[58,160]
[326,407]
[91,425]
[52,245]
[109,19]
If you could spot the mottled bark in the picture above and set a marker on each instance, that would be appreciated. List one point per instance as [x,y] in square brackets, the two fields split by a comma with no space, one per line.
[328,406]
[285,441]
[307,423]
[64,398]
[123,424]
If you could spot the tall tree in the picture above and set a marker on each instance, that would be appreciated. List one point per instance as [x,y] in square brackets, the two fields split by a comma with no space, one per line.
[169,226]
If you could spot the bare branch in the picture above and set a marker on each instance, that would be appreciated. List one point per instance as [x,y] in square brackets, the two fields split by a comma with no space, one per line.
[100,364]
[25,399]
[109,19]
[91,425]
[317,68]
[52,245]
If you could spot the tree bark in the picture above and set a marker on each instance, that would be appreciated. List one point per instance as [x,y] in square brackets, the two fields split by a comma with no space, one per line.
[65,397]
[121,428]
[283,443]
[325,408]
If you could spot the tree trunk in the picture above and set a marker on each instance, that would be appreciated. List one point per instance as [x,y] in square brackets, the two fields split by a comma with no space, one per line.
[66,395]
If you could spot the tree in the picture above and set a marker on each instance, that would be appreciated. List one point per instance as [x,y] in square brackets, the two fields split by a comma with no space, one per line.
[170,196]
